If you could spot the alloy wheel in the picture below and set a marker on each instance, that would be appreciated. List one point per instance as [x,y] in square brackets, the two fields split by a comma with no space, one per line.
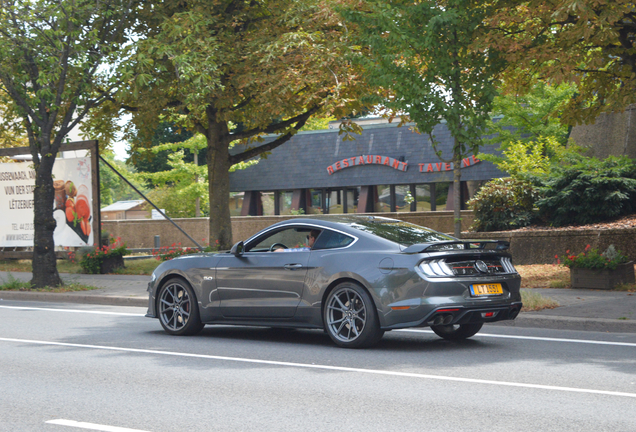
[346,315]
[175,306]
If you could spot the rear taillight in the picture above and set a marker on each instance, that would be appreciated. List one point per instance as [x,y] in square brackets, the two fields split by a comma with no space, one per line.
[435,268]
[444,267]
[507,263]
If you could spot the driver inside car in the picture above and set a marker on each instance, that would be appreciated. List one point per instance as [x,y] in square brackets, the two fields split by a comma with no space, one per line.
[311,238]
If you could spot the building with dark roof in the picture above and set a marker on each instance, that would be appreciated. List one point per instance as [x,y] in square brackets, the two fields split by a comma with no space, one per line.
[386,168]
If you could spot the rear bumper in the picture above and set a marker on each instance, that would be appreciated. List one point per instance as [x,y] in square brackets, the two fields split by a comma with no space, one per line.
[449,315]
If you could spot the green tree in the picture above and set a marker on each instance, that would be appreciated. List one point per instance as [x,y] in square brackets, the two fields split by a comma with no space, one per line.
[57,58]
[111,187]
[12,133]
[267,66]
[422,54]
[587,42]
[164,133]
[183,188]
[526,117]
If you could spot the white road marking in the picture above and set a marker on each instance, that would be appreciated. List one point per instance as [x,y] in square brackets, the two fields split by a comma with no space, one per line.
[331,368]
[545,339]
[71,311]
[91,426]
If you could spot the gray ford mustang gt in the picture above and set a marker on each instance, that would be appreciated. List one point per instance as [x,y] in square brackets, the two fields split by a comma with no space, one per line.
[362,276]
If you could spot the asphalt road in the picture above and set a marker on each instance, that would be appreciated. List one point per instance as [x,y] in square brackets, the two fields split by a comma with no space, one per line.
[111,369]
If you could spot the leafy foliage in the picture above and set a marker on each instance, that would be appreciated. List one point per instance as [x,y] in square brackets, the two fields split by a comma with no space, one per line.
[504,204]
[588,191]
[530,157]
[12,133]
[154,161]
[179,188]
[587,42]
[592,259]
[111,187]
[423,58]
[526,117]
[267,66]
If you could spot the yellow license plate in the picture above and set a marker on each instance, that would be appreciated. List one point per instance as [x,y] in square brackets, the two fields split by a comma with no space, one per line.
[486,289]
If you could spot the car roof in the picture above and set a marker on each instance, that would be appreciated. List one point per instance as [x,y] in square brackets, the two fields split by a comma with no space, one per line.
[339,222]
[335,221]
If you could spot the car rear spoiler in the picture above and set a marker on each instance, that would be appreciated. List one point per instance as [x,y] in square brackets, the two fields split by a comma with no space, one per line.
[500,245]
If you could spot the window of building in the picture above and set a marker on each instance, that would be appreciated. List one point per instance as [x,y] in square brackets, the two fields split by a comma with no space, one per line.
[267,198]
[382,197]
[236,203]
[352,199]
[285,202]
[314,206]
[441,195]
[334,201]
[401,200]
[423,197]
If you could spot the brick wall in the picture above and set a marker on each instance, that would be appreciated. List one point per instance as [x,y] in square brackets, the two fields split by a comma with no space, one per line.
[527,247]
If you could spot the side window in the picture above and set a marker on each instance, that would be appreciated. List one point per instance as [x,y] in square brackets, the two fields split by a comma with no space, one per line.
[331,240]
[287,238]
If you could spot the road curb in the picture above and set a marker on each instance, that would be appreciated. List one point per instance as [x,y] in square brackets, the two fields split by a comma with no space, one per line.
[525,320]
[572,323]
[74,298]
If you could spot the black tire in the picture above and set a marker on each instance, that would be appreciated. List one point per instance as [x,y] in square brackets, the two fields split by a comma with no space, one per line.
[350,317]
[178,309]
[457,331]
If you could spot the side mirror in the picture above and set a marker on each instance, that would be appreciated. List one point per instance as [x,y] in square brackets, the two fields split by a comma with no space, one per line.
[237,249]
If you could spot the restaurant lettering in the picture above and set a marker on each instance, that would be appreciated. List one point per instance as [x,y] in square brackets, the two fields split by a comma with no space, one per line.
[367,160]
[396,164]
[446,166]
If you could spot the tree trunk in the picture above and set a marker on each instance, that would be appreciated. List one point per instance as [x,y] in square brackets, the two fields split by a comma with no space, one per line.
[219,184]
[197,203]
[44,264]
[457,191]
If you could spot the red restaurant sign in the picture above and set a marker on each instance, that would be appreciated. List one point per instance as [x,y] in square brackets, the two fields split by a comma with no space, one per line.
[367,160]
[396,164]
[446,166]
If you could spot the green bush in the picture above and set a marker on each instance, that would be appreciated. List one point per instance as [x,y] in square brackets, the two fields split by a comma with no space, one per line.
[588,191]
[503,204]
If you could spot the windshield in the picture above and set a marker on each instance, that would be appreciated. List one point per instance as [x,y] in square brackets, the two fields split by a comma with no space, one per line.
[404,233]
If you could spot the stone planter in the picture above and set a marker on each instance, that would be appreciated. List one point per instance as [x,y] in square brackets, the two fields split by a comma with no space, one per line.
[111,263]
[602,279]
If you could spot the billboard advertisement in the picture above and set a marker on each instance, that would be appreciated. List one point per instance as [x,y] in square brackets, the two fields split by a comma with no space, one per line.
[72,207]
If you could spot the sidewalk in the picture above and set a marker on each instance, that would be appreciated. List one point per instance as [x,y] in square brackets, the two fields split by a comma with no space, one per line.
[115,290]
[607,311]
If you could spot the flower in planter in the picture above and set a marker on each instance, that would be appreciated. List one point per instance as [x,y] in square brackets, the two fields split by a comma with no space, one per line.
[591,259]
[92,262]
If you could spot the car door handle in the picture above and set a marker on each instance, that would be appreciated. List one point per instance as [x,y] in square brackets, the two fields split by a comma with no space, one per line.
[292,266]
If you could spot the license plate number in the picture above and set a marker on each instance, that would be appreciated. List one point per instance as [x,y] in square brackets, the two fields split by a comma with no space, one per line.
[486,289]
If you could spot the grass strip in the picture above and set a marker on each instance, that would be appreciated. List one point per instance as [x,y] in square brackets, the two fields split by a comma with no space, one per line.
[534,301]
[13,284]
